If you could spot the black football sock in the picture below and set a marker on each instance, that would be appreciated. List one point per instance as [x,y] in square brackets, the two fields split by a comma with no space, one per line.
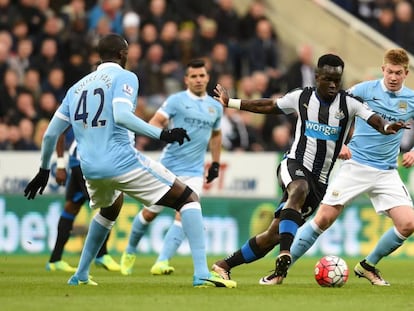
[64,228]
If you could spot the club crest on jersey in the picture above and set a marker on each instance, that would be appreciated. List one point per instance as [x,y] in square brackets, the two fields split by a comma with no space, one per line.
[211,110]
[339,115]
[127,89]
[299,172]
[402,107]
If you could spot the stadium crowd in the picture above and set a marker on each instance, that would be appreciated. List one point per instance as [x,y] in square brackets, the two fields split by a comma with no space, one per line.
[45,46]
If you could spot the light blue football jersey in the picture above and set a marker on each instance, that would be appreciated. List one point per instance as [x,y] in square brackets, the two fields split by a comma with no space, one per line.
[104,148]
[367,145]
[199,116]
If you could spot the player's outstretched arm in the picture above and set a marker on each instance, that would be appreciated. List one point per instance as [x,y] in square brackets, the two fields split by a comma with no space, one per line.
[378,123]
[262,105]
[123,116]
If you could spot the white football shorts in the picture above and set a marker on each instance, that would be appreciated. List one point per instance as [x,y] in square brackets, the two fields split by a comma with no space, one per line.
[384,187]
[147,185]
[194,182]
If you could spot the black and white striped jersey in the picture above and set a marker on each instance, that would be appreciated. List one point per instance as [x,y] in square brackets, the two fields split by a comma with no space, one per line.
[321,128]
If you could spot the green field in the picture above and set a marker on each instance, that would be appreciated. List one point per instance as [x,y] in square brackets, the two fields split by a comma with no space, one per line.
[25,285]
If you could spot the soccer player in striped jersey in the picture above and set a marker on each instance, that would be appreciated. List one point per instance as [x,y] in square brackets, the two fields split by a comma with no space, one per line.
[100,108]
[325,116]
[372,169]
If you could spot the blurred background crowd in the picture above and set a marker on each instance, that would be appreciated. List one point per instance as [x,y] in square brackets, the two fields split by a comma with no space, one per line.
[46,46]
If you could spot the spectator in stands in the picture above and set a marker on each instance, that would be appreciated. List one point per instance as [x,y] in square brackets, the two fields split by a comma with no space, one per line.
[25,108]
[47,105]
[385,23]
[263,50]
[130,27]
[21,61]
[26,143]
[149,36]
[4,135]
[301,72]
[75,67]
[4,57]
[47,58]
[30,13]
[157,13]
[111,10]
[8,14]
[152,78]
[9,90]
[404,25]
[103,28]
[255,12]
[228,24]
[20,31]
[134,57]
[55,83]
[281,138]
[31,82]
[207,36]
[188,48]
[220,64]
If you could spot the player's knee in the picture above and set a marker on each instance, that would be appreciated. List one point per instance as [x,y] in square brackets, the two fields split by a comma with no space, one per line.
[148,215]
[187,196]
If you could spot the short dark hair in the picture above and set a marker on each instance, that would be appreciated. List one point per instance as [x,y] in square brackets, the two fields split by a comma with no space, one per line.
[330,60]
[110,46]
[196,63]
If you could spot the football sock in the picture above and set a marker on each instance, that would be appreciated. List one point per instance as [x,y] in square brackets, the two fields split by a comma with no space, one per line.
[103,250]
[290,220]
[63,233]
[172,241]
[97,233]
[305,238]
[192,222]
[389,242]
[250,251]
[139,227]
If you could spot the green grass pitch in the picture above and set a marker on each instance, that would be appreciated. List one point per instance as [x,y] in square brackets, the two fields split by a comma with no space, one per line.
[26,285]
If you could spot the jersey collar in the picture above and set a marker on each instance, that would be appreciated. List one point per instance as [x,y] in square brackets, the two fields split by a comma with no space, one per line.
[195,97]
[384,88]
[106,65]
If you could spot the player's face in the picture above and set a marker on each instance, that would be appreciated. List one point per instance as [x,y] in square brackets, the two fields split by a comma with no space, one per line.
[394,76]
[328,84]
[196,80]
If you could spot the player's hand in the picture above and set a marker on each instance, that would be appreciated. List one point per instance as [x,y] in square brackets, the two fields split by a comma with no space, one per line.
[392,128]
[345,153]
[38,183]
[174,135]
[61,176]
[213,172]
[222,95]
[408,159]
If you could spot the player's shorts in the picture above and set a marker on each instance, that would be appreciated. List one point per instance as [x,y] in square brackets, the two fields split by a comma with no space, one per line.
[147,185]
[76,191]
[290,170]
[194,182]
[384,187]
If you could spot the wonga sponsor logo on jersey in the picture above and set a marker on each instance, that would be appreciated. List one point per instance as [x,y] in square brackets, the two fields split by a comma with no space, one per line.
[322,131]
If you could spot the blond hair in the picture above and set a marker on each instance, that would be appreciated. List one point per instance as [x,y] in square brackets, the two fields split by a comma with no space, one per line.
[397,57]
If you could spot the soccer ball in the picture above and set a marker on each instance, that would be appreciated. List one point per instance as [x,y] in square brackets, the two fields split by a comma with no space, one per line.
[331,271]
